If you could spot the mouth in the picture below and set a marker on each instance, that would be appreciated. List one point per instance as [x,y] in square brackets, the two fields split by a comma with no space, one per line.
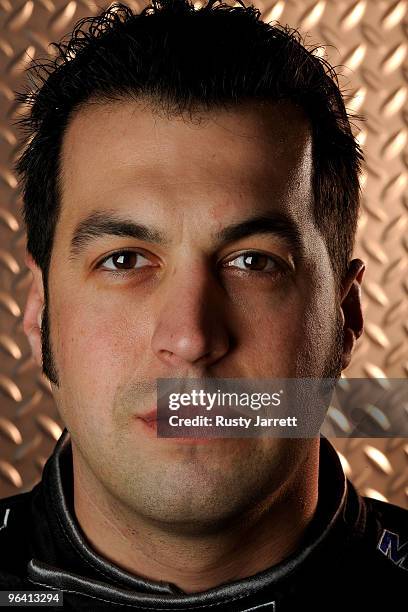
[149,416]
[151,419]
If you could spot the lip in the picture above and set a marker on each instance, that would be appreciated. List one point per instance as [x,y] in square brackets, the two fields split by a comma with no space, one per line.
[150,420]
[150,416]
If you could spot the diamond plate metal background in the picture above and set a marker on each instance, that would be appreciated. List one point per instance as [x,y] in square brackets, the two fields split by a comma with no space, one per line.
[369,39]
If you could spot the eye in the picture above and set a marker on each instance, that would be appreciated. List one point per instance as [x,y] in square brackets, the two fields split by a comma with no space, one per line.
[124,260]
[255,261]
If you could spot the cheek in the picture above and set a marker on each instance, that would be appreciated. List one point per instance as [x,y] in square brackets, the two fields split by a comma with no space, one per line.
[316,340]
[285,334]
[98,344]
[269,337]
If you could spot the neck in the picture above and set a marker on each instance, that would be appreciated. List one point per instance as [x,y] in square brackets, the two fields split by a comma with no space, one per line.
[250,543]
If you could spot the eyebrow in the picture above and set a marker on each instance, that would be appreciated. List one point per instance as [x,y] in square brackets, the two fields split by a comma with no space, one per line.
[99,224]
[108,223]
[274,223]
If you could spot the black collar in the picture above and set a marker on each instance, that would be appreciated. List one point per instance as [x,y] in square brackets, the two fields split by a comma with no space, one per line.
[64,559]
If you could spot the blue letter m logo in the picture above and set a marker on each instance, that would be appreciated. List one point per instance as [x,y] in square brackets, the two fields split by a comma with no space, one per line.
[390,546]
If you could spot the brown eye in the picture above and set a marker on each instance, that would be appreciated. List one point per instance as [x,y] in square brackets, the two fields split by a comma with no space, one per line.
[125,260]
[258,262]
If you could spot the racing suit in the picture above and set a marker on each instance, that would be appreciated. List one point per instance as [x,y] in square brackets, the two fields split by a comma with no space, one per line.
[353,555]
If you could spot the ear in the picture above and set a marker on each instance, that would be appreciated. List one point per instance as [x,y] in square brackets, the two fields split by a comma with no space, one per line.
[351,311]
[34,309]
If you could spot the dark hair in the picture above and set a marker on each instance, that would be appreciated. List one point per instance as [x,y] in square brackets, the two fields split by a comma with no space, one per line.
[180,58]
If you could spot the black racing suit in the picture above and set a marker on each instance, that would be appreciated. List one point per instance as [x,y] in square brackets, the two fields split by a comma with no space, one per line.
[353,556]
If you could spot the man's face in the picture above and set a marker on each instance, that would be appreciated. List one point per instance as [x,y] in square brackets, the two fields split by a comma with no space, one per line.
[204,289]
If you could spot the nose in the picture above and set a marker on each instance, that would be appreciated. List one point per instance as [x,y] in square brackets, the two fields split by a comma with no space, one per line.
[191,328]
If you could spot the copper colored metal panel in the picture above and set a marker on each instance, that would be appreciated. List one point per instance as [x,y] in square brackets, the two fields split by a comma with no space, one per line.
[369,39]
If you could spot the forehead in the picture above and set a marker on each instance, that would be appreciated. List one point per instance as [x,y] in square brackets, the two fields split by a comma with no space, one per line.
[115,152]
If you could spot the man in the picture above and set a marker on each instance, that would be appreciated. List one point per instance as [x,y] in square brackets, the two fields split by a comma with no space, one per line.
[191,196]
